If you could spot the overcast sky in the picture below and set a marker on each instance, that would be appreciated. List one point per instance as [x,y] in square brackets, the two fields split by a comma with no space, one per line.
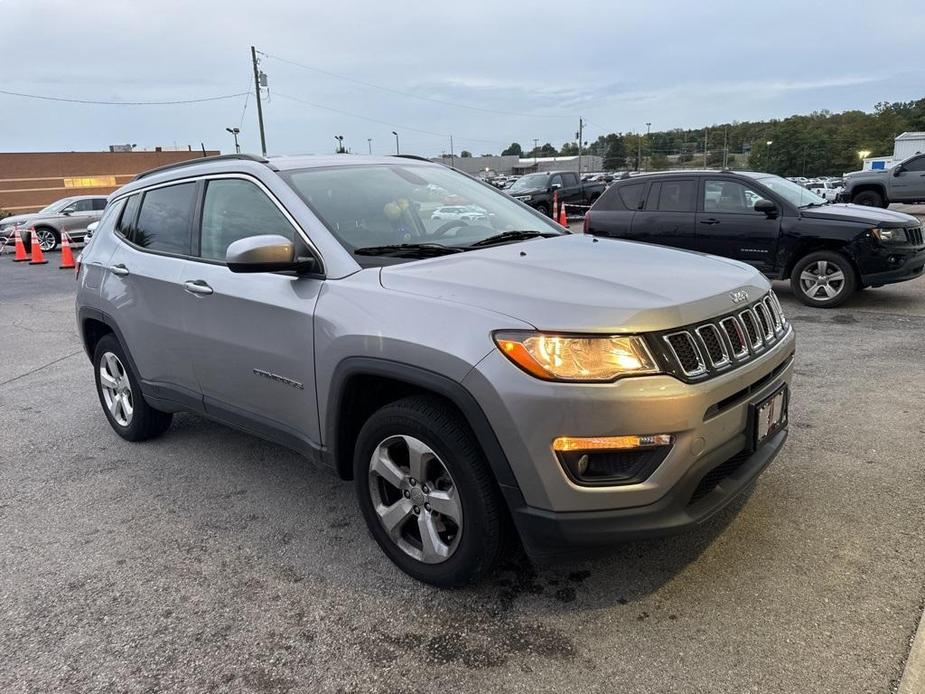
[526,69]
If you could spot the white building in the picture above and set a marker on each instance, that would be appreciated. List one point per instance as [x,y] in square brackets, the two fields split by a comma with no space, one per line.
[904,146]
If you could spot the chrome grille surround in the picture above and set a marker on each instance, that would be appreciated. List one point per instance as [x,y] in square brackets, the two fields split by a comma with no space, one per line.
[691,352]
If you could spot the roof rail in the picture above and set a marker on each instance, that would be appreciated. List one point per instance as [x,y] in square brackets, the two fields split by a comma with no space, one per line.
[417,157]
[202,160]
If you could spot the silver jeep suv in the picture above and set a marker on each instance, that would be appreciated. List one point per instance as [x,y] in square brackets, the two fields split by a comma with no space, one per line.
[479,381]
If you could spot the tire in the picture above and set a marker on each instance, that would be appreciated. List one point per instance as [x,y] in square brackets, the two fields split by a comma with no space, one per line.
[48,239]
[543,210]
[140,421]
[451,466]
[838,274]
[868,198]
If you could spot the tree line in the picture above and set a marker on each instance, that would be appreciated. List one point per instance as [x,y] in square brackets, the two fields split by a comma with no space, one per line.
[821,143]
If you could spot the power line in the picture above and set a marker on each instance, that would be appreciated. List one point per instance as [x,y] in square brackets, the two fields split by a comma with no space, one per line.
[410,94]
[122,103]
[381,122]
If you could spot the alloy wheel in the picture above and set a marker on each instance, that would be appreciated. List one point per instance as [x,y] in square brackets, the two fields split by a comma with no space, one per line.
[415,498]
[46,239]
[822,280]
[117,389]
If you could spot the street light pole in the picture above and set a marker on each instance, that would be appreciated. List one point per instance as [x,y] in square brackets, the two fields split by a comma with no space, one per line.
[769,143]
[263,137]
[369,141]
[648,150]
[535,146]
[397,151]
[340,144]
[234,132]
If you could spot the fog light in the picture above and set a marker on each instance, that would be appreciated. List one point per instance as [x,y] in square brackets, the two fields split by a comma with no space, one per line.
[610,443]
[611,460]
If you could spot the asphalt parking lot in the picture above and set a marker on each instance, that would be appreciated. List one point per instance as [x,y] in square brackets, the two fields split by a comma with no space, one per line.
[208,560]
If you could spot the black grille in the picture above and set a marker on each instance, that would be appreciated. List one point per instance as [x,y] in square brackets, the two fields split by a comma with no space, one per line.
[735,338]
[711,338]
[686,352]
[766,328]
[712,479]
[750,329]
[914,234]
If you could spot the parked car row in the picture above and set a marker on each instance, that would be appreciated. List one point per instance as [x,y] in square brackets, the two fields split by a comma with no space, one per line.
[827,251]
[71,215]
[481,381]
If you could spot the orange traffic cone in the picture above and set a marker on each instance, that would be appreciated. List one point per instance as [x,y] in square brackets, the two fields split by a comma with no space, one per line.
[38,258]
[67,255]
[21,254]
[563,219]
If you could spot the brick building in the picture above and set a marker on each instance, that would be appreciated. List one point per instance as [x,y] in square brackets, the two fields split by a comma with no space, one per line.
[31,180]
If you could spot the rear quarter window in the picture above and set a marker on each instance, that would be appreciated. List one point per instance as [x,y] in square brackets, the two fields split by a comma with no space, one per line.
[626,196]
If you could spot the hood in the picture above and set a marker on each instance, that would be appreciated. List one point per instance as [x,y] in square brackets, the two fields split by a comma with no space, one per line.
[872,216]
[21,219]
[582,284]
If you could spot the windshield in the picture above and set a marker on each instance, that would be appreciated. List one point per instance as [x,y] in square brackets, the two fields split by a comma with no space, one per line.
[378,205]
[531,182]
[56,206]
[792,192]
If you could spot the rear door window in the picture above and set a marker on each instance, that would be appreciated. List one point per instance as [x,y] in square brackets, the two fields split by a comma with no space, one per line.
[99,204]
[164,219]
[677,196]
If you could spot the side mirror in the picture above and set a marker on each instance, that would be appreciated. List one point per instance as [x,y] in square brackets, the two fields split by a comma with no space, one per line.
[767,207]
[264,253]
[68,211]
[90,229]
[898,169]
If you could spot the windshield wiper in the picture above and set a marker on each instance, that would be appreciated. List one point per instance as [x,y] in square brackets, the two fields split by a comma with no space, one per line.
[399,249]
[505,236]
[815,204]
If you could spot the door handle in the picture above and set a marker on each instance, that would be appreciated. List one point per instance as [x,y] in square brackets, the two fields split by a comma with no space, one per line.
[709,221]
[197,287]
[119,270]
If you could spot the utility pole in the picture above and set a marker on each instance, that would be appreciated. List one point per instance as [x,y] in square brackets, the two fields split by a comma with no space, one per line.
[535,145]
[725,147]
[648,146]
[452,154]
[638,151]
[581,125]
[263,137]
[369,141]
[706,135]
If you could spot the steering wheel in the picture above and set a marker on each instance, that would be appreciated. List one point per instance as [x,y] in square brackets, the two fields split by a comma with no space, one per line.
[442,230]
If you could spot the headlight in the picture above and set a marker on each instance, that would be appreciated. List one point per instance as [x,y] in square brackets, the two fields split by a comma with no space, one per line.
[890,235]
[577,357]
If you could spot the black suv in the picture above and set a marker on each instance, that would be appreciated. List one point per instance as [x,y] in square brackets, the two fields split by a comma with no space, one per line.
[827,251]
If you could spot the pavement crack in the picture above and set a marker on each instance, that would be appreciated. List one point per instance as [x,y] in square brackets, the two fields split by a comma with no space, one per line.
[39,368]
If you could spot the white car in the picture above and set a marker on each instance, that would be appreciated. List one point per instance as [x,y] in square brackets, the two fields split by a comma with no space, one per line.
[465,213]
[827,189]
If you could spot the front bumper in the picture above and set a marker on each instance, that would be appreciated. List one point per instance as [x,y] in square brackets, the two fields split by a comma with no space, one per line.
[904,263]
[691,501]
[709,421]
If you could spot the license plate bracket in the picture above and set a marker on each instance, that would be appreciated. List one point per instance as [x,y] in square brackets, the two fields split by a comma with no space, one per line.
[768,416]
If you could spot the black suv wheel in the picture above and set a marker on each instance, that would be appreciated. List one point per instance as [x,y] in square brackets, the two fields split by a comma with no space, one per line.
[824,279]
[427,493]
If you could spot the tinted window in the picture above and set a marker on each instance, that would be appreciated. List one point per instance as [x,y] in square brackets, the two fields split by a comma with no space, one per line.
[83,206]
[126,224]
[555,180]
[235,209]
[631,195]
[570,179]
[164,219]
[917,164]
[729,197]
[98,204]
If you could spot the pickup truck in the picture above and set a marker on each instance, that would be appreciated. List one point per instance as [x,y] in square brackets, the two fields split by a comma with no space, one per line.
[537,190]
[905,182]
[784,230]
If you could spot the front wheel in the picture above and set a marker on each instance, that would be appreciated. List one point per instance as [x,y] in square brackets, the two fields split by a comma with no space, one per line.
[427,494]
[868,198]
[824,279]
[48,239]
[543,210]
